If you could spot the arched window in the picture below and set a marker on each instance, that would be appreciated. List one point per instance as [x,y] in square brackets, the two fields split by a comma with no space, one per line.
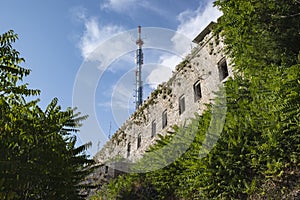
[128,149]
[153,130]
[197,91]
[181,104]
[139,141]
[164,119]
[223,70]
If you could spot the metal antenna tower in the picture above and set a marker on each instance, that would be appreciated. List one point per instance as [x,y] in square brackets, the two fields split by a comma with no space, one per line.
[139,57]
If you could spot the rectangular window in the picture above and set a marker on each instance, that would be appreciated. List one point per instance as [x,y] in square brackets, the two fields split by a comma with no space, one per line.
[197,91]
[181,105]
[164,119]
[139,141]
[223,70]
[153,132]
[128,149]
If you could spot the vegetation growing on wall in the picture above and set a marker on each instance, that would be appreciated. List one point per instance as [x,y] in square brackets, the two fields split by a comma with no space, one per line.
[181,65]
[257,154]
[139,116]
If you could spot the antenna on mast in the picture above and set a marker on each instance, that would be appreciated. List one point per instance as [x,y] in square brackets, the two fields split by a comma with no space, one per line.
[139,57]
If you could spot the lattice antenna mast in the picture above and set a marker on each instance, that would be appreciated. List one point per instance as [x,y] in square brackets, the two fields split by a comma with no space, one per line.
[139,62]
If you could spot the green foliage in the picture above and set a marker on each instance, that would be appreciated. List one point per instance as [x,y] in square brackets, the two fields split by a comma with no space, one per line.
[127,187]
[259,33]
[255,157]
[11,72]
[263,41]
[38,156]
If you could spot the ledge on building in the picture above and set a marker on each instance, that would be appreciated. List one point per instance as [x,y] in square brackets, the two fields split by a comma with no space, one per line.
[203,33]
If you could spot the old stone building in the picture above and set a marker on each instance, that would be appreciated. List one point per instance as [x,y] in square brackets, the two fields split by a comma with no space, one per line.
[174,102]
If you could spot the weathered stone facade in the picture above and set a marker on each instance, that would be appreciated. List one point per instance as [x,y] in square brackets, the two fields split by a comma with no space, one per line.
[174,102]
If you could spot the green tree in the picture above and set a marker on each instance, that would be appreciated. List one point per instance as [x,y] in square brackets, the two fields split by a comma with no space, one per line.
[38,156]
[262,127]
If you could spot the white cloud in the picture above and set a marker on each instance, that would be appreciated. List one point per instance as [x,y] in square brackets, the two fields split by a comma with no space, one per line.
[191,23]
[170,61]
[119,5]
[105,44]
[95,34]
[194,21]
[163,71]
[158,75]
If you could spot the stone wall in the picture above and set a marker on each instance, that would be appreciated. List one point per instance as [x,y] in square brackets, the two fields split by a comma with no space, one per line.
[205,65]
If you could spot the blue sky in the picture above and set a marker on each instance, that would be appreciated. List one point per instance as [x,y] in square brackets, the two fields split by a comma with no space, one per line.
[59,38]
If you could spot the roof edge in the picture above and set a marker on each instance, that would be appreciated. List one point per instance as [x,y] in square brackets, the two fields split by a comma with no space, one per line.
[203,33]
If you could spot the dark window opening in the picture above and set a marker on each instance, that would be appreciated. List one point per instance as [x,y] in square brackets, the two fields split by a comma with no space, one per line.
[181,105]
[106,169]
[153,132]
[197,91]
[223,69]
[128,149]
[139,141]
[164,119]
